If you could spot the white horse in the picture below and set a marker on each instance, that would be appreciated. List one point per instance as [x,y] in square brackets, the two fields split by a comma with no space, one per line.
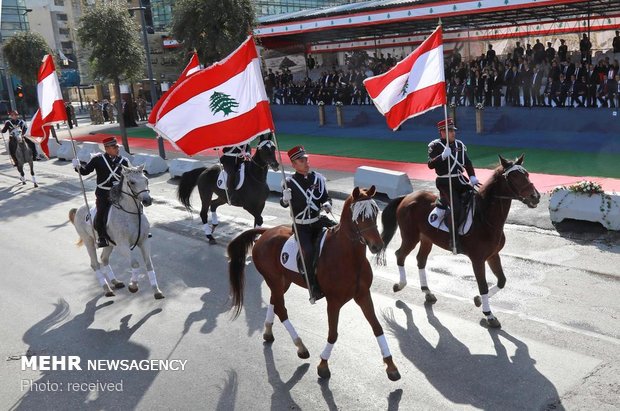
[127,227]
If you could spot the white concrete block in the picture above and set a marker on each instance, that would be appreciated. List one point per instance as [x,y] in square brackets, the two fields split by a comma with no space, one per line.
[87,150]
[65,151]
[390,182]
[274,180]
[153,164]
[598,208]
[53,147]
[123,153]
[178,166]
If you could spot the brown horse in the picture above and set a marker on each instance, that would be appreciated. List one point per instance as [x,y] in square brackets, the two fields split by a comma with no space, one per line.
[510,181]
[343,273]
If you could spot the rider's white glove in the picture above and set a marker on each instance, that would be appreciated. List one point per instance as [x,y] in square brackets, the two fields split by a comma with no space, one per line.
[287,195]
[446,152]
[474,181]
[76,163]
[327,207]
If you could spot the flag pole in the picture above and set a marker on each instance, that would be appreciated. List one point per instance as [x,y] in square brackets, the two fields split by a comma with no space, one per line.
[92,226]
[454,251]
[6,147]
[290,207]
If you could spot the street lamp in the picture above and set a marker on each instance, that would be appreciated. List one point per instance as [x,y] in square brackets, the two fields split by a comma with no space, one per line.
[149,68]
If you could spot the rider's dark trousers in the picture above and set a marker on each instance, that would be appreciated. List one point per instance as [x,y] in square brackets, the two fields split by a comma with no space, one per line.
[101,218]
[308,235]
[458,189]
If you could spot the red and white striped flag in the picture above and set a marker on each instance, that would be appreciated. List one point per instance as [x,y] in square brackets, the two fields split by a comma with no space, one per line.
[222,105]
[414,86]
[192,67]
[51,105]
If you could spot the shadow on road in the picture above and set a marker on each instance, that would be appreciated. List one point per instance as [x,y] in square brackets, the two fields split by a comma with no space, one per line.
[281,398]
[482,381]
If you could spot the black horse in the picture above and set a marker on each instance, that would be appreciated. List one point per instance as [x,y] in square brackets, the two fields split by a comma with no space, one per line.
[252,194]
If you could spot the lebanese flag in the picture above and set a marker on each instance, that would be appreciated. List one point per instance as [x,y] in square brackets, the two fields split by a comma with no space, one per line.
[51,105]
[222,105]
[192,67]
[414,86]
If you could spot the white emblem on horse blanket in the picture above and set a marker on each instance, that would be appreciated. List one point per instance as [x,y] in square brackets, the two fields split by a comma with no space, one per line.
[437,218]
[288,255]
[223,177]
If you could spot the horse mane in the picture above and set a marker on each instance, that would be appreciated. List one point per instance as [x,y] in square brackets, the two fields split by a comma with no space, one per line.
[487,189]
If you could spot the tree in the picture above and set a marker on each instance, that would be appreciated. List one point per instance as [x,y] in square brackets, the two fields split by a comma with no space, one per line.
[214,28]
[117,52]
[24,53]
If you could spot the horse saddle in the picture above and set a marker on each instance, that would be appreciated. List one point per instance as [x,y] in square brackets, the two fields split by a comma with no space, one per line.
[93,213]
[290,252]
[222,178]
[438,216]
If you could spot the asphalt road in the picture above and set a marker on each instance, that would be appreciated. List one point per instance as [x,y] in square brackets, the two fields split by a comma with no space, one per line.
[558,347]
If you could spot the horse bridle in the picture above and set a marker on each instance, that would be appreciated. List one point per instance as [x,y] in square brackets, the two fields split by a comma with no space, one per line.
[515,193]
[134,197]
[258,148]
[359,231]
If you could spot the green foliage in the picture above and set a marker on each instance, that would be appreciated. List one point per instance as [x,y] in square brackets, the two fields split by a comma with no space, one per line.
[114,38]
[214,28]
[24,53]
[222,102]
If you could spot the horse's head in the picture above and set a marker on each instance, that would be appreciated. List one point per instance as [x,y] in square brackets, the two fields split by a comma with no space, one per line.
[137,184]
[266,151]
[364,213]
[17,134]
[518,182]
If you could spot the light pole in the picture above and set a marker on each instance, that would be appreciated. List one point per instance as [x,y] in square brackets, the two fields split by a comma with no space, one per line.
[149,68]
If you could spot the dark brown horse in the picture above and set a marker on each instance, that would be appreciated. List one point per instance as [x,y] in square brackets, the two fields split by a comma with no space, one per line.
[343,273]
[510,181]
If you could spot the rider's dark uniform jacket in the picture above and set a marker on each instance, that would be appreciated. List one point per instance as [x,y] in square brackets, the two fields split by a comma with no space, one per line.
[459,161]
[10,124]
[308,194]
[108,171]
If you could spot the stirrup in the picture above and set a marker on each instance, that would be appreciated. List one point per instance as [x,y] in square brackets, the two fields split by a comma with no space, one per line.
[102,242]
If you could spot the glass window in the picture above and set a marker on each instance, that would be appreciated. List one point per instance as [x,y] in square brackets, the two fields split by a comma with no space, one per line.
[59,3]
[61,17]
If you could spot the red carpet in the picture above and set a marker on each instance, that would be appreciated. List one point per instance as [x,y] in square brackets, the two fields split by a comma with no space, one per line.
[543,182]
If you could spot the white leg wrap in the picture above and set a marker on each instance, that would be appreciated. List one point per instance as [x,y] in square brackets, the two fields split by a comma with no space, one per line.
[291,330]
[485,303]
[422,273]
[214,219]
[100,277]
[109,272]
[403,276]
[34,180]
[207,229]
[152,278]
[493,290]
[327,351]
[270,314]
[385,350]
[22,179]
[135,272]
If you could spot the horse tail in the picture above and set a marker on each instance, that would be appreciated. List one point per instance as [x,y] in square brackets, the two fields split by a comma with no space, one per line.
[186,186]
[237,251]
[72,213]
[389,222]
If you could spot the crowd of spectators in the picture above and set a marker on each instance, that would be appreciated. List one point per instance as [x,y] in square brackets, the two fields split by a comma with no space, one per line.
[534,76]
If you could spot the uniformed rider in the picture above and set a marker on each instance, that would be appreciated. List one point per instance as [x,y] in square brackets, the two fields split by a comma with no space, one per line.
[438,152]
[232,158]
[108,167]
[11,124]
[307,194]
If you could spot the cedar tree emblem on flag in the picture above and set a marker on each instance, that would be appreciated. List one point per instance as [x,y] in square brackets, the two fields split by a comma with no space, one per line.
[222,102]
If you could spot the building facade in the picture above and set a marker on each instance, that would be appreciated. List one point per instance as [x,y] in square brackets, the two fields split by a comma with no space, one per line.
[13,19]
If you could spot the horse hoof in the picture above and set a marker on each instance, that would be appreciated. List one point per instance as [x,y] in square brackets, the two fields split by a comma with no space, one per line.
[133,287]
[109,293]
[303,354]
[211,239]
[36,185]
[159,295]
[396,288]
[494,323]
[268,338]
[430,298]
[323,370]
[118,284]
[393,375]
[23,183]
[477,301]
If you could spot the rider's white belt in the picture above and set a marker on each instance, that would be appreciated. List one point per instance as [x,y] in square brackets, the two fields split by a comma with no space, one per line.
[307,221]
[449,175]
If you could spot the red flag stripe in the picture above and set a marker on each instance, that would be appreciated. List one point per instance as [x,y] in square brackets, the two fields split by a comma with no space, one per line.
[376,84]
[415,104]
[229,132]
[212,76]
[47,68]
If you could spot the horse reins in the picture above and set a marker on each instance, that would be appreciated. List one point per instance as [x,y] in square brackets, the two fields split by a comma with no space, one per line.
[134,197]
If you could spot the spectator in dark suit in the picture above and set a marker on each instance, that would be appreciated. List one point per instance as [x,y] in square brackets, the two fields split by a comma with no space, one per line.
[535,89]
[550,52]
[592,81]
[562,91]
[526,84]
[613,89]
[490,55]
[585,47]
[517,53]
[550,93]
[562,51]
[616,42]
[602,93]
[539,52]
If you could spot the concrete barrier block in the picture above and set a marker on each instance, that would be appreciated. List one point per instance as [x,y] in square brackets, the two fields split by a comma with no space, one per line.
[598,208]
[152,164]
[390,182]
[65,151]
[274,180]
[87,150]
[123,153]
[178,166]
[53,147]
